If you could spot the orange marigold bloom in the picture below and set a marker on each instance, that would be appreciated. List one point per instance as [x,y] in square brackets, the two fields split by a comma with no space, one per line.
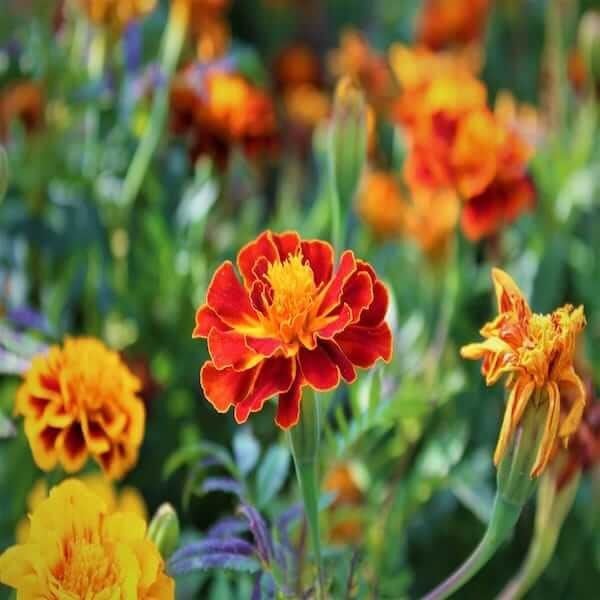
[380,204]
[536,352]
[22,102]
[116,14]
[297,65]
[444,22]
[80,400]
[217,110]
[78,548]
[291,322]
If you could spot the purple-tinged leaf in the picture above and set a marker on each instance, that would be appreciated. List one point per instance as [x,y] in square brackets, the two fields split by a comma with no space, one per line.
[221,484]
[259,531]
[233,562]
[227,527]
[214,546]
[264,587]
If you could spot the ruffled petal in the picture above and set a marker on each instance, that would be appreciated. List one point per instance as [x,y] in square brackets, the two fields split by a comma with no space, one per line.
[346,368]
[358,293]
[550,430]
[225,387]
[287,243]
[288,406]
[319,256]
[365,345]
[332,293]
[318,368]
[262,247]
[206,319]
[376,312]
[337,323]
[229,349]
[570,422]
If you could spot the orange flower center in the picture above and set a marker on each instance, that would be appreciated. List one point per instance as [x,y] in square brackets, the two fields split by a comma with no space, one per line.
[85,568]
[294,289]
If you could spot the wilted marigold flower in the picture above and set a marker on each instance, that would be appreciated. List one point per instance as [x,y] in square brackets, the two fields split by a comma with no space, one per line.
[445,22]
[80,400]
[536,352]
[78,548]
[291,322]
[116,14]
[22,102]
[127,499]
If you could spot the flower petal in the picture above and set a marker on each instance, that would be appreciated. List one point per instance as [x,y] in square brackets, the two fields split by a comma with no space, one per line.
[376,312]
[358,293]
[225,387]
[287,243]
[206,319]
[288,406]
[275,376]
[571,421]
[338,324]
[72,448]
[265,346]
[262,247]
[318,368]
[347,370]
[365,345]
[508,293]
[319,256]
[229,349]
[550,430]
[333,291]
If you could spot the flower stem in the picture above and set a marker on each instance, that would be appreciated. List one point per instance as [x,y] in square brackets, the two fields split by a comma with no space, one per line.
[171,48]
[304,443]
[504,517]
[336,218]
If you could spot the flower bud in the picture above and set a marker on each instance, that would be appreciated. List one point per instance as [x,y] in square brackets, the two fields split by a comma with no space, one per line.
[164,530]
[348,139]
[589,42]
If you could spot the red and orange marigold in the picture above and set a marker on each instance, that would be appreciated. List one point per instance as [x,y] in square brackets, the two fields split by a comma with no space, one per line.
[81,400]
[292,321]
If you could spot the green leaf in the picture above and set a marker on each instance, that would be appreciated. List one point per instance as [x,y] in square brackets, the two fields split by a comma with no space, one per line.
[193,453]
[272,474]
[246,450]
[3,173]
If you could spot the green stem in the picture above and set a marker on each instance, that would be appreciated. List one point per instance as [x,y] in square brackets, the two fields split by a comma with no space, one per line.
[171,49]
[504,516]
[304,443]
[336,217]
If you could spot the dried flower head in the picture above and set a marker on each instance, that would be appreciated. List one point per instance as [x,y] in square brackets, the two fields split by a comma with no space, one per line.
[292,322]
[78,548]
[80,400]
[536,352]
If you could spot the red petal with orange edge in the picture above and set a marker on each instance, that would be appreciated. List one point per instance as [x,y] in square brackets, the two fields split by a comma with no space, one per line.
[228,298]
[358,293]
[318,368]
[265,346]
[229,349]
[347,370]
[288,407]
[333,291]
[319,256]
[258,296]
[341,322]
[206,319]
[276,376]
[262,246]
[225,387]
[364,345]
[287,243]
[375,314]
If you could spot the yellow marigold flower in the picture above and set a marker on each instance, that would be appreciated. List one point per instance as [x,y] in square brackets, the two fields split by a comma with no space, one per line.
[81,400]
[116,14]
[127,499]
[78,548]
[536,352]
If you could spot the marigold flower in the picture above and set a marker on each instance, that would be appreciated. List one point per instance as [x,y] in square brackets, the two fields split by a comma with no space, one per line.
[78,548]
[116,14]
[209,27]
[22,102]
[536,352]
[126,499]
[292,322]
[80,400]
[297,66]
[217,110]
[444,22]
[381,205]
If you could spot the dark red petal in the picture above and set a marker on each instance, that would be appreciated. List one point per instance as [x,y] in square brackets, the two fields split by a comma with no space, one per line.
[257,297]
[364,345]
[74,446]
[229,349]
[229,299]
[287,243]
[339,324]
[318,368]
[331,297]
[261,266]
[319,256]
[288,407]
[262,246]
[358,293]
[275,376]
[377,311]
[206,319]
[347,370]
[225,387]
[265,346]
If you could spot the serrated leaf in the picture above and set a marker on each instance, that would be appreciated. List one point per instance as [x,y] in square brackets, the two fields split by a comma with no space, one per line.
[272,474]
[246,450]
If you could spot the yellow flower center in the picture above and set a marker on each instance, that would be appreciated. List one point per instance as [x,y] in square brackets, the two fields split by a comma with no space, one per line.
[293,285]
[85,569]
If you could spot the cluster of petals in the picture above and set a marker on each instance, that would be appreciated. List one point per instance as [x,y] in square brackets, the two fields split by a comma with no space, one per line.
[81,400]
[536,352]
[292,321]
[23,102]
[216,109]
[456,142]
[77,548]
